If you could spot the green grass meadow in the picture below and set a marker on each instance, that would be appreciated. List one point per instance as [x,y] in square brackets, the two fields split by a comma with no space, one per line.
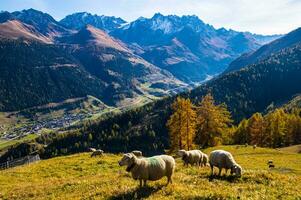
[81,177]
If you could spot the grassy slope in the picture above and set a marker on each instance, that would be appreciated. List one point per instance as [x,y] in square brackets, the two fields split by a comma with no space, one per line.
[81,177]
[4,144]
[292,149]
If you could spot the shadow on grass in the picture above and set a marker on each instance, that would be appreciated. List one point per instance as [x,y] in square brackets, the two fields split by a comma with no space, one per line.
[228,178]
[138,193]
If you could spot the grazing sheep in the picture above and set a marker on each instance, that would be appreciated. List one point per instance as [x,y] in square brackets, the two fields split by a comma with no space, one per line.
[92,149]
[137,153]
[254,146]
[192,157]
[224,160]
[271,164]
[246,145]
[204,160]
[152,168]
[97,152]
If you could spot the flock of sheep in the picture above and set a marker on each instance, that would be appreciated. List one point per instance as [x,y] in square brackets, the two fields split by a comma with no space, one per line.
[154,168]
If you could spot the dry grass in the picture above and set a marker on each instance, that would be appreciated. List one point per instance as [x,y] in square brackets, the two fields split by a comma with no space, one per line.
[81,177]
[292,149]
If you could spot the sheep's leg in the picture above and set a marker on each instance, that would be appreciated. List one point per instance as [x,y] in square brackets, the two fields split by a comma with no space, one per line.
[211,170]
[219,171]
[140,180]
[169,180]
[226,171]
[144,183]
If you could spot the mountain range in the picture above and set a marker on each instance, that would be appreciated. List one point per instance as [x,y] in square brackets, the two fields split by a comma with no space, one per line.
[265,85]
[145,57]
[110,58]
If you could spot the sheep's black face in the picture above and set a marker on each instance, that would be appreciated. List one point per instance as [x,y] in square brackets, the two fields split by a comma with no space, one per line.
[236,170]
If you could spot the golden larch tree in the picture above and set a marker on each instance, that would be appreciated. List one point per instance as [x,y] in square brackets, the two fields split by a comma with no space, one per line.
[181,124]
[256,129]
[213,122]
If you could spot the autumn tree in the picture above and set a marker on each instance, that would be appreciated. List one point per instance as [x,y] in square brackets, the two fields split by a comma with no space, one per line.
[181,124]
[276,128]
[241,135]
[256,129]
[293,128]
[213,122]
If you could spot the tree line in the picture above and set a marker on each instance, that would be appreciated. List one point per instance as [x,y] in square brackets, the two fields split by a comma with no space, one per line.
[210,124]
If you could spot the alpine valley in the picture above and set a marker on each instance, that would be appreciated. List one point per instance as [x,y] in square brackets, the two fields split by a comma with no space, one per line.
[57,74]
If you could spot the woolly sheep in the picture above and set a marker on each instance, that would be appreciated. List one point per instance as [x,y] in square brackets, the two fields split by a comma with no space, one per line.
[192,157]
[152,168]
[92,149]
[224,160]
[254,146]
[97,152]
[137,153]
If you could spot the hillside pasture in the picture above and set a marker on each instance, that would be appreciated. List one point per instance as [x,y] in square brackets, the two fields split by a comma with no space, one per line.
[81,177]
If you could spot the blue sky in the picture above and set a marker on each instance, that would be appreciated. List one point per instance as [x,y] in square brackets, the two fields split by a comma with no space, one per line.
[257,16]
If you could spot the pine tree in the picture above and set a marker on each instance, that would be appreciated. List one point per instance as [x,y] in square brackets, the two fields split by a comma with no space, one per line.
[213,122]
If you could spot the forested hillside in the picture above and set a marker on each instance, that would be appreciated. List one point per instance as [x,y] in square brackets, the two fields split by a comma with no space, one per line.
[263,52]
[34,74]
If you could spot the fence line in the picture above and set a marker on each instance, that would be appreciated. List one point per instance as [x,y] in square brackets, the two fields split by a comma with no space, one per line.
[19,161]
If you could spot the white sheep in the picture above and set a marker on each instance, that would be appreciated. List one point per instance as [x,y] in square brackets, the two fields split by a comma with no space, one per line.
[97,152]
[192,157]
[92,149]
[137,153]
[152,168]
[224,160]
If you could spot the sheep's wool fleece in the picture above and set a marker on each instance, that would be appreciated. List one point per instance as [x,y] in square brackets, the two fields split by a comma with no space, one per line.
[221,159]
[193,156]
[153,168]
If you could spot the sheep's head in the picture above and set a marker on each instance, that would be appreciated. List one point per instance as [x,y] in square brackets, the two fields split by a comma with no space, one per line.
[181,153]
[237,170]
[128,159]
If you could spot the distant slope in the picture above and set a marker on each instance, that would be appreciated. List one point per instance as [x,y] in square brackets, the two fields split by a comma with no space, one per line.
[114,63]
[288,40]
[253,88]
[43,22]
[293,103]
[292,149]
[34,74]
[15,29]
